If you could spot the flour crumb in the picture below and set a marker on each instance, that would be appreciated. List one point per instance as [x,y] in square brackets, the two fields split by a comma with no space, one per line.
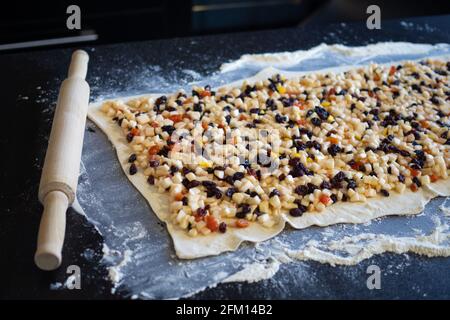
[255,272]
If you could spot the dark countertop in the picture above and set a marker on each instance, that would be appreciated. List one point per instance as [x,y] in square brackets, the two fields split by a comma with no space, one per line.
[30,82]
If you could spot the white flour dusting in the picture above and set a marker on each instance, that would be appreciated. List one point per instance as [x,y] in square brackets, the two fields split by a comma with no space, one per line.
[255,272]
[287,59]
[56,286]
[349,250]
[352,250]
[115,271]
[444,208]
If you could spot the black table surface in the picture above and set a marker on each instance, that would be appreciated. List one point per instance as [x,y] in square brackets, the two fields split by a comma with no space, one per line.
[29,86]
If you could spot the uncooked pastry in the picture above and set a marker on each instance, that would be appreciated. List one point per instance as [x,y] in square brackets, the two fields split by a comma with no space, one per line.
[216,243]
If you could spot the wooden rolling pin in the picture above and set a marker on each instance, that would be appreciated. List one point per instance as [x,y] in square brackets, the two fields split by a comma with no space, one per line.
[59,177]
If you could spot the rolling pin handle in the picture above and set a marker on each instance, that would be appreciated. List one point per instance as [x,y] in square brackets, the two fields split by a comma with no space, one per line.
[78,65]
[51,231]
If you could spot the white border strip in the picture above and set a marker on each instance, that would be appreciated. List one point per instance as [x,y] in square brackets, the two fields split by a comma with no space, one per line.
[48,42]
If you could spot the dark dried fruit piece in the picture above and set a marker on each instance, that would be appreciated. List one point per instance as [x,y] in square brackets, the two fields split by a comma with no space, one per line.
[297,212]
[132,158]
[133,169]
[223,227]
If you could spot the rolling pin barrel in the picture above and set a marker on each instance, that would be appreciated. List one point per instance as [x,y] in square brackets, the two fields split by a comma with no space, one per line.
[60,173]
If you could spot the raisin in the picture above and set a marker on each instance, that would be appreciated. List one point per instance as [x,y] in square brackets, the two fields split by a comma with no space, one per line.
[168,129]
[193,184]
[333,149]
[270,103]
[132,158]
[190,184]
[311,187]
[279,118]
[351,184]
[230,192]
[340,176]
[241,215]
[334,198]
[218,193]
[274,192]
[435,100]
[322,113]
[297,212]
[238,176]
[417,181]
[198,107]
[316,121]
[301,190]
[201,212]
[325,185]
[223,227]
[133,169]
[161,100]
[209,184]
[129,137]
[229,180]
[153,163]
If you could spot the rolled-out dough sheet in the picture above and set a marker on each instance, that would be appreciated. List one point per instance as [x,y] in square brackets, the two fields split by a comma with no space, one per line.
[188,247]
